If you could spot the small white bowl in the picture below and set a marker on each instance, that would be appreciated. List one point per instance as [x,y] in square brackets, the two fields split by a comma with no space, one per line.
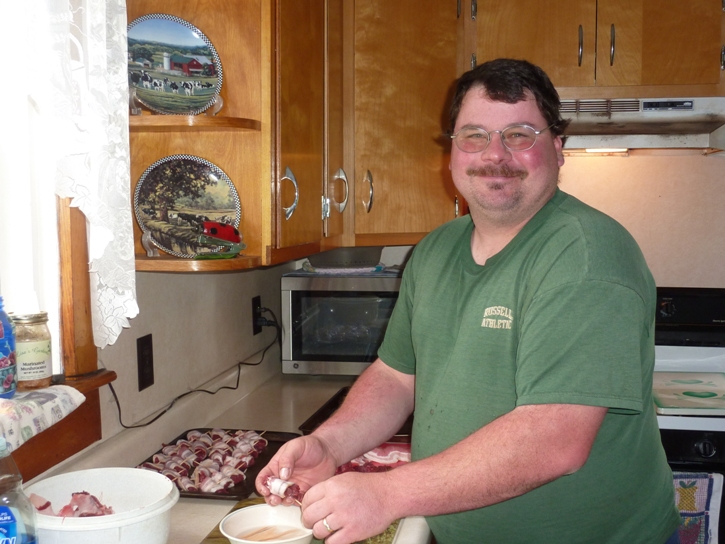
[245,520]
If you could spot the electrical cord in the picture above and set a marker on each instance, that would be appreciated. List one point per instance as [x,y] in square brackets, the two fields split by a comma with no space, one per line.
[271,323]
[264,322]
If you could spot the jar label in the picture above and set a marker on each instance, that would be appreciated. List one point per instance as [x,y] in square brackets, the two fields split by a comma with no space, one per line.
[34,360]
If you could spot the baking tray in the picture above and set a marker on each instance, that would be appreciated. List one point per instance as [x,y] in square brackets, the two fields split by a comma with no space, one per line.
[329,408]
[245,488]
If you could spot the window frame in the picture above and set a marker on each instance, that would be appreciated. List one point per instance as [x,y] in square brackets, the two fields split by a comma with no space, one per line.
[82,427]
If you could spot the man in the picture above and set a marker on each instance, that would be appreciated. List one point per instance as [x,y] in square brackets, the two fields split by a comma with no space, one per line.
[523,339]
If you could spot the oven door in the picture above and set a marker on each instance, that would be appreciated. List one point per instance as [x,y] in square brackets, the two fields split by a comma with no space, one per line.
[697,460]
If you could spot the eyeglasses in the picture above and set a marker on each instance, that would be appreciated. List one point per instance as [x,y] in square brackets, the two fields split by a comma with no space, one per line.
[515,138]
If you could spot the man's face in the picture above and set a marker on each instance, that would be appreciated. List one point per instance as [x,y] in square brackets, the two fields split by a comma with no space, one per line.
[501,185]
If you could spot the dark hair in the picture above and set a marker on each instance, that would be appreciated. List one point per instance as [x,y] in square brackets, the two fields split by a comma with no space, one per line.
[507,80]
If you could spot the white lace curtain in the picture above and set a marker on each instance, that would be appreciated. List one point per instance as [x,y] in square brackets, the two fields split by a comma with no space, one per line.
[65,113]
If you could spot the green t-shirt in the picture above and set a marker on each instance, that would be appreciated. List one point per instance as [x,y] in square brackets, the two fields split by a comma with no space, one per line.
[563,314]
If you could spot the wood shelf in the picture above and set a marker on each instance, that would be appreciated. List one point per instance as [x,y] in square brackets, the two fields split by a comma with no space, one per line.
[76,431]
[175,264]
[193,123]
[85,383]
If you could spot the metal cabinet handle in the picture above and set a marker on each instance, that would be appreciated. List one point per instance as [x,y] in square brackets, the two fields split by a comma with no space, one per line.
[722,58]
[369,204]
[611,45]
[456,207]
[581,45]
[290,176]
[340,174]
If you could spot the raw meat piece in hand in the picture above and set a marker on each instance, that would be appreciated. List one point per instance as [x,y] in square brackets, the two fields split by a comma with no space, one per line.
[284,489]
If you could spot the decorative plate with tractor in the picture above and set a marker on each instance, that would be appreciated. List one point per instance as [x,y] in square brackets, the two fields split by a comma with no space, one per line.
[189,208]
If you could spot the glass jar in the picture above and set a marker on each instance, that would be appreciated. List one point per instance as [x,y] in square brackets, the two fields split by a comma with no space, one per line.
[33,351]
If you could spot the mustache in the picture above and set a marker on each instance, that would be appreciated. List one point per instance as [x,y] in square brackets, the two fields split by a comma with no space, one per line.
[496,171]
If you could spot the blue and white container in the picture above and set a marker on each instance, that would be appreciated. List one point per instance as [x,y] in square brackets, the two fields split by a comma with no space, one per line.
[8,361]
[17,514]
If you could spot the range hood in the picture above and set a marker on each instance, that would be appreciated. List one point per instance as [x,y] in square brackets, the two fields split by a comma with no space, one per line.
[645,123]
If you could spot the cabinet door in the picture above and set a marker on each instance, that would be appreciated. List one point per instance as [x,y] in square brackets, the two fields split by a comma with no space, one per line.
[336,186]
[658,42]
[557,35]
[300,119]
[405,65]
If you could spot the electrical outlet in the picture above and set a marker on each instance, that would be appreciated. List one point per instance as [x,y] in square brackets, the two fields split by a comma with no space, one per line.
[145,358]
[256,315]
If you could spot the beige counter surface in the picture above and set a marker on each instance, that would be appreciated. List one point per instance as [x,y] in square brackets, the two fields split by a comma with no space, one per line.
[281,404]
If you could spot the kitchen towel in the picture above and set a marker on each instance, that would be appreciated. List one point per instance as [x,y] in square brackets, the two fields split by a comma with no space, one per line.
[31,412]
[697,495]
[342,271]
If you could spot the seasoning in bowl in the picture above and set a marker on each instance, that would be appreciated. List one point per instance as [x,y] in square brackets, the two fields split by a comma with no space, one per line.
[266,523]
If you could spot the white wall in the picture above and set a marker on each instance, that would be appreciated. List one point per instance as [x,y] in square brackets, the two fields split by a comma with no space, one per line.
[201,327]
[673,203]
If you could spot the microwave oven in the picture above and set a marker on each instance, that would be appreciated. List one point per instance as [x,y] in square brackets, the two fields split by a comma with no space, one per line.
[334,323]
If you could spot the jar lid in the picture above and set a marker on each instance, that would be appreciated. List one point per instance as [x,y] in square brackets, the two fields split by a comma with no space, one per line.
[40,317]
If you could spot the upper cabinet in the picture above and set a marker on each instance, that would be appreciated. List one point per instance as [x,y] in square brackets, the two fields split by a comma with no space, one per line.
[559,36]
[232,140]
[607,44]
[337,184]
[404,67]
[299,134]
[271,135]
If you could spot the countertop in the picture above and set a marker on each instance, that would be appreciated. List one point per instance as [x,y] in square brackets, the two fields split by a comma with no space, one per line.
[300,397]
[282,404]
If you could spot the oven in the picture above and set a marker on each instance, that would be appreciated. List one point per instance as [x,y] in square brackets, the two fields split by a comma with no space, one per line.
[689,396]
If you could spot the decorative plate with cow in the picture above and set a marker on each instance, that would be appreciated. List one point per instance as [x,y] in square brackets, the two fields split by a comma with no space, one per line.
[176,195]
[173,68]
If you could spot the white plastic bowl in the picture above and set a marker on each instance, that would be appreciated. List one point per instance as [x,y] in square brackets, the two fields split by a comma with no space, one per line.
[141,502]
[244,520]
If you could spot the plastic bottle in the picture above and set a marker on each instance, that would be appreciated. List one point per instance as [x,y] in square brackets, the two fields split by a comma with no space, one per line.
[8,375]
[17,514]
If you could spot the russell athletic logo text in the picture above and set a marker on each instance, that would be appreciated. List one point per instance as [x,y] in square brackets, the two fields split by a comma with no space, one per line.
[497,317]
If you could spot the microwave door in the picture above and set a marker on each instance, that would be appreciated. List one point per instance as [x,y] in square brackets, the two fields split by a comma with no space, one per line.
[337,331]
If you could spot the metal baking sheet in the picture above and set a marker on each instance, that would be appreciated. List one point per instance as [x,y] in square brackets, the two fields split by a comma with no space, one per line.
[245,488]
[329,408]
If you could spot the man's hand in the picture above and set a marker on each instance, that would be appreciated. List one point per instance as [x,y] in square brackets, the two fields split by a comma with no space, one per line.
[304,461]
[352,504]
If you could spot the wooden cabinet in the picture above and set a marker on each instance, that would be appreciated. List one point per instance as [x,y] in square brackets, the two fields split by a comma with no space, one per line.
[270,131]
[337,184]
[546,33]
[607,43]
[404,67]
[232,140]
[300,80]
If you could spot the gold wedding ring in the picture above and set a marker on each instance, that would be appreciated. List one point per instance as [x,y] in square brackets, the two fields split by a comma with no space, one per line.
[327,525]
